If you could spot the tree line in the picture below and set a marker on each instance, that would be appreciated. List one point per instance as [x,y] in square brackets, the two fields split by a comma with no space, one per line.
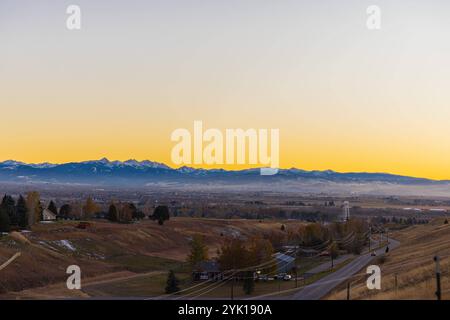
[26,211]
[21,214]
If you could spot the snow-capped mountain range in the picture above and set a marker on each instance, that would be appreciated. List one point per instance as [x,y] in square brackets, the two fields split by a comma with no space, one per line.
[104,171]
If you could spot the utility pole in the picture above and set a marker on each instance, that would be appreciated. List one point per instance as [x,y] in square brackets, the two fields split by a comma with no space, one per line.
[296,277]
[380,239]
[370,236]
[438,278]
[396,284]
[348,290]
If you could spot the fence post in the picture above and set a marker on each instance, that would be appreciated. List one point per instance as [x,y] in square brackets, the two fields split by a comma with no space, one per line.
[348,290]
[438,278]
[396,284]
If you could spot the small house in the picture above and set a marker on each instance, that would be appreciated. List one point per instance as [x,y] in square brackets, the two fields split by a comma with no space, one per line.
[47,215]
[307,252]
[207,270]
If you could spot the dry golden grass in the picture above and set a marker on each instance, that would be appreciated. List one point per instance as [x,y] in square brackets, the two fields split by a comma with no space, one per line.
[108,248]
[412,264]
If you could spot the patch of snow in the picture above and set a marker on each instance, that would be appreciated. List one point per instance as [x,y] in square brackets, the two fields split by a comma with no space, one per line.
[66,244]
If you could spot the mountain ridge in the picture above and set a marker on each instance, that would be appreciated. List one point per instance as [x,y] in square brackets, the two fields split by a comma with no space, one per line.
[106,171]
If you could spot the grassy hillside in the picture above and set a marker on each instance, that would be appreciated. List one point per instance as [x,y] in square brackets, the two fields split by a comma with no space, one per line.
[107,250]
[411,264]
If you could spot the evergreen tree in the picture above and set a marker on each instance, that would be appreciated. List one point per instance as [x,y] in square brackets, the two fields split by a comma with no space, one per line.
[172,283]
[39,211]
[249,283]
[112,213]
[22,213]
[9,206]
[65,211]
[52,207]
[5,224]
[161,214]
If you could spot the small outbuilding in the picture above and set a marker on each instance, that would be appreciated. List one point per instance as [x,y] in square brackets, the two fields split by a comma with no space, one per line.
[207,270]
[47,215]
[285,263]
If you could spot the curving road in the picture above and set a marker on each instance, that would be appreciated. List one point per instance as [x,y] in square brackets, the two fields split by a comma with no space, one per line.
[320,288]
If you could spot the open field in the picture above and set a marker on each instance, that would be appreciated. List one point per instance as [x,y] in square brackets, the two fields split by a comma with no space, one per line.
[408,272]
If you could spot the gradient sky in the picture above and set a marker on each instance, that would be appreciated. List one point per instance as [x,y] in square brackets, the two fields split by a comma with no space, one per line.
[344,97]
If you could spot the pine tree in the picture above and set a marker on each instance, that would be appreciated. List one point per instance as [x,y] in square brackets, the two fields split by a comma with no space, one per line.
[52,207]
[161,214]
[65,211]
[22,213]
[39,211]
[5,224]
[112,213]
[172,283]
[9,206]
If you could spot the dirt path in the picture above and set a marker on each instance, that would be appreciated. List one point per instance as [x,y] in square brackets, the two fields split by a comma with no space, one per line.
[10,260]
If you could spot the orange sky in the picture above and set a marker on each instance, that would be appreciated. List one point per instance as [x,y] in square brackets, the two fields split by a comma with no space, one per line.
[344,98]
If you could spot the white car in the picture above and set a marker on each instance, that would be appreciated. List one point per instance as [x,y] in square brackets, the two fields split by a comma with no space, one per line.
[287,277]
[373,254]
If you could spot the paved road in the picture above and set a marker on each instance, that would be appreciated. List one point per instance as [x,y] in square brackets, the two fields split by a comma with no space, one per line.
[320,288]
[327,265]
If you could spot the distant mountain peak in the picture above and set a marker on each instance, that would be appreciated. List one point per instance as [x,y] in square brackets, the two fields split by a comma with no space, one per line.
[132,171]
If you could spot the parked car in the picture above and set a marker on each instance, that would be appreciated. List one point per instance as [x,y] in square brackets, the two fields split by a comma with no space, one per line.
[373,254]
[287,277]
[280,276]
[263,277]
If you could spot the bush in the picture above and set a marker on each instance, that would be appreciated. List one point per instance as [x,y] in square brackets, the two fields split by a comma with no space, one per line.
[172,283]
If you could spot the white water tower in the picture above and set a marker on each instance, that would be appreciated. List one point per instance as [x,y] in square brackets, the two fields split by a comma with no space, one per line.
[346,210]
